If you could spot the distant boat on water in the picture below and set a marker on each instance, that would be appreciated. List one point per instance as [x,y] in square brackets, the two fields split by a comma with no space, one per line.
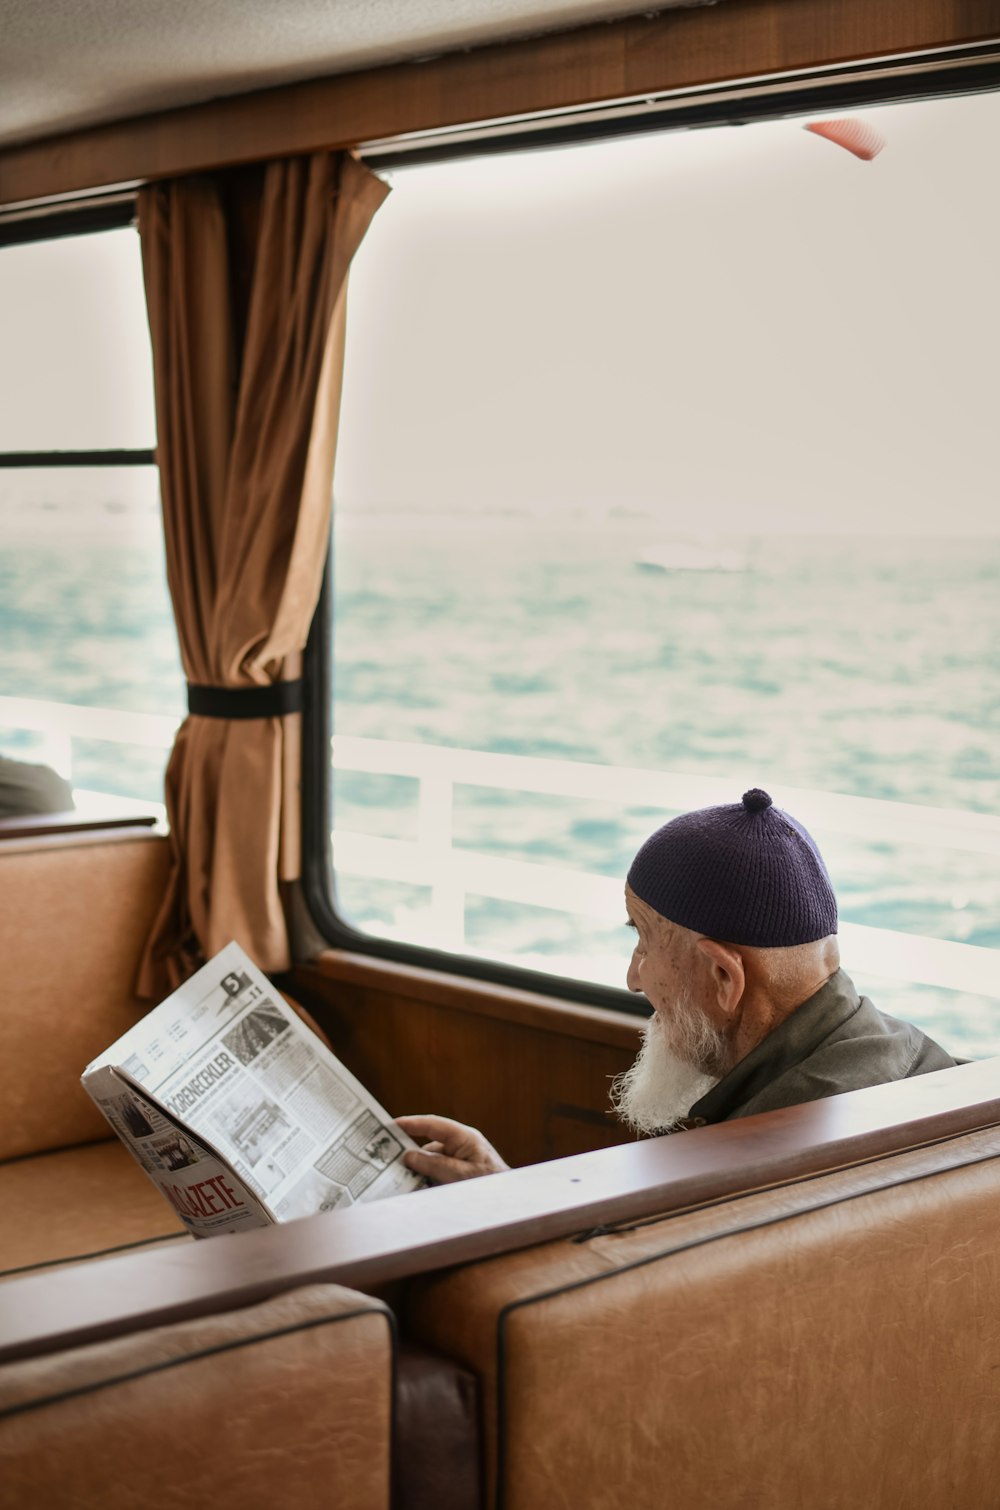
[689,555]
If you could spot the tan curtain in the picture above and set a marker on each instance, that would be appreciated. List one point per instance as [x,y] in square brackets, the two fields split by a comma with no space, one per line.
[246,286]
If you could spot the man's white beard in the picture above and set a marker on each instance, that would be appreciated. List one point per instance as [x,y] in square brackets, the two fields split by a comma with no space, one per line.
[668,1077]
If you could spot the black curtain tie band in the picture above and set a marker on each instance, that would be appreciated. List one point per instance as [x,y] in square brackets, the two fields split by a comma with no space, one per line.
[275,701]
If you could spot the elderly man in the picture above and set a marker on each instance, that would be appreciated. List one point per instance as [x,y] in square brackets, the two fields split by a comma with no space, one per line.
[736,952]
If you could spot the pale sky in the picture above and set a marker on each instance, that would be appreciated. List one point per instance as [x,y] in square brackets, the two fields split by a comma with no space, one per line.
[738,327]
[735,328]
[75,364]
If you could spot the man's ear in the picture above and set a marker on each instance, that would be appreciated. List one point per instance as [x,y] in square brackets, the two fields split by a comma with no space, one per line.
[727,974]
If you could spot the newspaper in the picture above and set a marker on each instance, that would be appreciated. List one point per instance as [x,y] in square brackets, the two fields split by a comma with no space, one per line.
[239,1112]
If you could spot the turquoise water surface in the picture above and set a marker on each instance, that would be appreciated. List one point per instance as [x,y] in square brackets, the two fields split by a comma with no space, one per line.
[864,666]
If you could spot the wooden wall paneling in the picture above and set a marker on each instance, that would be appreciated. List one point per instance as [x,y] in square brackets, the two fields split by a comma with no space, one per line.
[645,54]
[472,993]
[521,1069]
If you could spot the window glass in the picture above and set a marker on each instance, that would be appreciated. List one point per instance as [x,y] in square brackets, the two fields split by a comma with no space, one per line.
[91,682]
[75,364]
[666,470]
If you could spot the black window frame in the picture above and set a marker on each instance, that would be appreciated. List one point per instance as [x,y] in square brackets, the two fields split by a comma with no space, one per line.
[949,73]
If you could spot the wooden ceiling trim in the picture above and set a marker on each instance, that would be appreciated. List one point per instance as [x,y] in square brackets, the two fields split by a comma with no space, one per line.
[679,48]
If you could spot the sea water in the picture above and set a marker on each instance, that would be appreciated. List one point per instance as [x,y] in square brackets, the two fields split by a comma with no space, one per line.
[868,666]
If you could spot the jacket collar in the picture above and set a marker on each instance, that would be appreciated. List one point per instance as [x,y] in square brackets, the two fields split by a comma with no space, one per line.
[795,1039]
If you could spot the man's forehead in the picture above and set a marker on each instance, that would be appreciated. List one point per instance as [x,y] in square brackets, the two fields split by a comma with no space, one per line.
[653,921]
[640,911]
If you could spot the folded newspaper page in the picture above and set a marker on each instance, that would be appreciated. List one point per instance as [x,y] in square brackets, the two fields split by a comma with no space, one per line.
[239,1112]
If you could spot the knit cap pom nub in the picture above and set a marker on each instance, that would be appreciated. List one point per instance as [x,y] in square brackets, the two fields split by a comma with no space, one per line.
[755,801]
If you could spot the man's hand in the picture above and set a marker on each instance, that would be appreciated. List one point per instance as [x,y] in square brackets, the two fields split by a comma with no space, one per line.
[455,1152]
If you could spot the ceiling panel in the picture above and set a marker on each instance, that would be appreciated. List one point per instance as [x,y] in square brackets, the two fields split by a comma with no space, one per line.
[67,64]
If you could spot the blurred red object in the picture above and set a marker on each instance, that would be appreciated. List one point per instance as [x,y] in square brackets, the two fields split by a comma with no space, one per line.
[857,136]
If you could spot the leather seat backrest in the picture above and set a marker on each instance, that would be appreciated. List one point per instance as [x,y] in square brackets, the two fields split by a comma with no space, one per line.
[75,913]
[831,1343]
[287,1403]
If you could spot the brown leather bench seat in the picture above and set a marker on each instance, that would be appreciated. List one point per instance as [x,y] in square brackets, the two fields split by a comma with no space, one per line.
[75,910]
[797,1309]
[833,1342]
[284,1403]
[78,1203]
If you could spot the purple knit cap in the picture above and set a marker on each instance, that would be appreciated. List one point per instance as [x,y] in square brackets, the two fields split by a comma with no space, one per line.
[746,873]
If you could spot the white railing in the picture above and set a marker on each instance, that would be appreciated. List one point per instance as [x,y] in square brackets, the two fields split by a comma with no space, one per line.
[431,859]
[57,725]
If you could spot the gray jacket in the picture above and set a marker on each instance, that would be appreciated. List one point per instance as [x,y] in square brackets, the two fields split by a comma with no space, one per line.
[836,1041]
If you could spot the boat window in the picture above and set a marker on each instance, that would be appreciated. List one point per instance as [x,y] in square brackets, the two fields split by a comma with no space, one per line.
[92,682]
[667,470]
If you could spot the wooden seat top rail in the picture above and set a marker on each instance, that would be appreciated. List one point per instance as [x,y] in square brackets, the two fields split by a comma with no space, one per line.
[395,1239]
[42,825]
